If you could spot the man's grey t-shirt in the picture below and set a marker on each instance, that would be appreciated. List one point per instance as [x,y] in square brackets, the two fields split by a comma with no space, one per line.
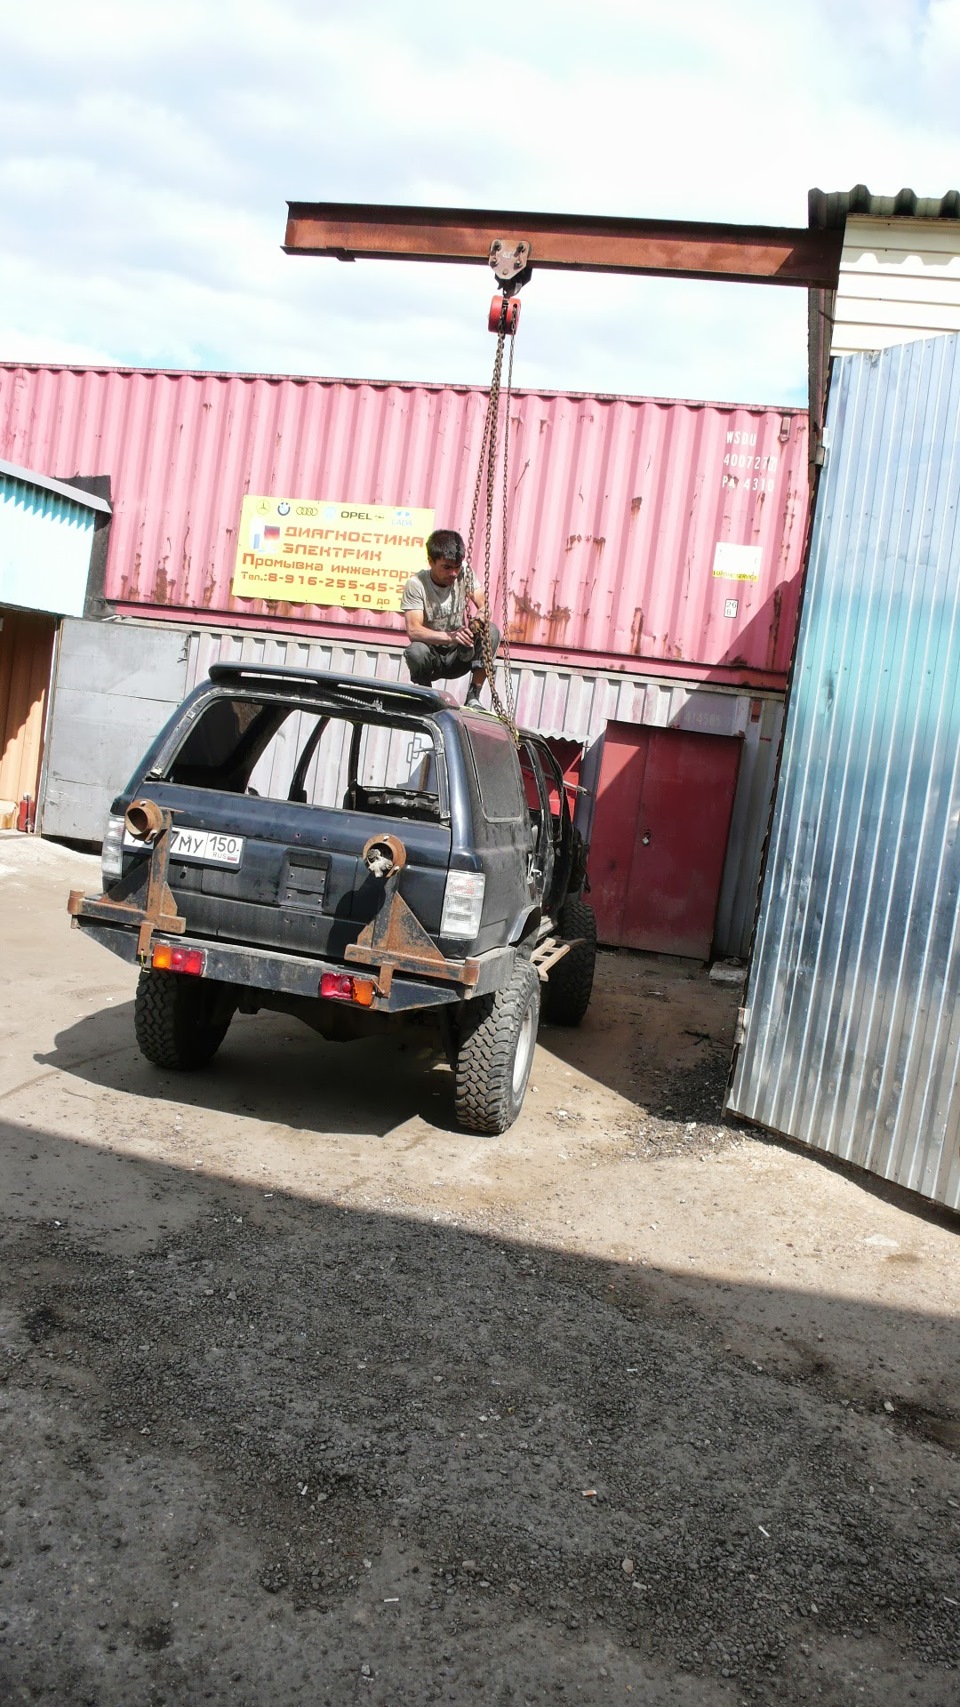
[441,607]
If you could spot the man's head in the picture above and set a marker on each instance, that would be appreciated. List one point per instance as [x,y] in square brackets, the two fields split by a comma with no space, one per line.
[445,554]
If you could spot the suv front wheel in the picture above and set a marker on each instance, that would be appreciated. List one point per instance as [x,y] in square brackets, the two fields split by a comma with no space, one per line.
[498,1036]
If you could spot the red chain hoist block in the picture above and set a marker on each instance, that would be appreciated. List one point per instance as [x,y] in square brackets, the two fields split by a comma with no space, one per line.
[513,314]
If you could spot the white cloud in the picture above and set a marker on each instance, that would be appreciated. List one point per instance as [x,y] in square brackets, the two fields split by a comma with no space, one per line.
[149,153]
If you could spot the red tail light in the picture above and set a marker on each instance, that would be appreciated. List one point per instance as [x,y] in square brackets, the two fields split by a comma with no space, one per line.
[341,987]
[167,958]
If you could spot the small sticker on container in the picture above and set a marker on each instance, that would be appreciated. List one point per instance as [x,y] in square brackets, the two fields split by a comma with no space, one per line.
[730,607]
[737,562]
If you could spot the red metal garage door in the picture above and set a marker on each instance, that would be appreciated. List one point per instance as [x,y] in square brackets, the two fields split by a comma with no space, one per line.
[660,828]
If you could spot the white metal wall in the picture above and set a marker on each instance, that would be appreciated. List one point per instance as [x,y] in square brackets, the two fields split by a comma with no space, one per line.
[899,280]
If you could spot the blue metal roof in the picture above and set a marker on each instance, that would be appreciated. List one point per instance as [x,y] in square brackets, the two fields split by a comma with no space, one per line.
[44,483]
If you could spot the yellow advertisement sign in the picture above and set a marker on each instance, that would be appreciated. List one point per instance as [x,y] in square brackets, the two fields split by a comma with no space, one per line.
[318,551]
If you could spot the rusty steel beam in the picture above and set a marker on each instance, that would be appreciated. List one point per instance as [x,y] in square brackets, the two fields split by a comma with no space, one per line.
[749,254]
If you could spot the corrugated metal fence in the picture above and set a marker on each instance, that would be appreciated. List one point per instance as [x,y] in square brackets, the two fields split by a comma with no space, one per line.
[852,1040]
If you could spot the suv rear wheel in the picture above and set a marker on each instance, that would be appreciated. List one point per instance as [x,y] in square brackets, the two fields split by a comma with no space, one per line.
[180,1022]
[569,985]
[497,1040]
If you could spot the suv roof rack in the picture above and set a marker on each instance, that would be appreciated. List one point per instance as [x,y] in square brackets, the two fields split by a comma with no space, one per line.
[368,686]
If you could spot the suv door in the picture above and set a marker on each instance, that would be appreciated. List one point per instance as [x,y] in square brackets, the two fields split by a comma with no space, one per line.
[500,837]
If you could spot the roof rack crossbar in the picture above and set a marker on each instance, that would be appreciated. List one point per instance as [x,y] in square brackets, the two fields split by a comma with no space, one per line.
[366,685]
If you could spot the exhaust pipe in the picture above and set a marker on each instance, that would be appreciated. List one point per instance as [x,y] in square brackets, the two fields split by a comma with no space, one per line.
[144,819]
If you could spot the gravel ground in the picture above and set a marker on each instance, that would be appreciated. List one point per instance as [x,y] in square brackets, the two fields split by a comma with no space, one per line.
[293,1424]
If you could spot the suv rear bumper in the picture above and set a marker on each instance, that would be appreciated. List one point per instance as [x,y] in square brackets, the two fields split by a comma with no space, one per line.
[298,975]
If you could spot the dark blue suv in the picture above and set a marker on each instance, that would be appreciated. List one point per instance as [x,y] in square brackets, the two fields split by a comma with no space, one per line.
[360,854]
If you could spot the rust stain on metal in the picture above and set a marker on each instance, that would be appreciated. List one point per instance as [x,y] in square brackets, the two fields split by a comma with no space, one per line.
[162,587]
[557,620]
[572,540]
[635,506]
[526,615]
[636,631]
[775,623]
[130,584]
[209,589]
[599,541]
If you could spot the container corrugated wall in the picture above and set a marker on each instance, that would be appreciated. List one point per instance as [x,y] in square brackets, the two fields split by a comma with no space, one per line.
[575,705]
[618,504]
[852,1037]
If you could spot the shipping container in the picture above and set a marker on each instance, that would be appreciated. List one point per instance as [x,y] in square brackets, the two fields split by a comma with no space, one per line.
[644,534]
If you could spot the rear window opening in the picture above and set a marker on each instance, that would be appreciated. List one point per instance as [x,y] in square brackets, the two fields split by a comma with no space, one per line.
[278,751]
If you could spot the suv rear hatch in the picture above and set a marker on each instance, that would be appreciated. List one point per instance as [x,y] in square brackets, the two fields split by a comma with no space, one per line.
[274,793]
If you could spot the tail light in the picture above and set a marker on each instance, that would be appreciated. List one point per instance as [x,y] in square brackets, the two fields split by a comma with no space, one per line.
[167,958]
[462,904]
[341,987]
[111,854]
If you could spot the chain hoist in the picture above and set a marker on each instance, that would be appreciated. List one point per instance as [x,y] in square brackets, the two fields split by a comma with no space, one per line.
[511,267]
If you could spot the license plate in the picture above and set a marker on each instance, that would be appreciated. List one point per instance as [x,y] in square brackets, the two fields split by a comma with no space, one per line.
[207,847]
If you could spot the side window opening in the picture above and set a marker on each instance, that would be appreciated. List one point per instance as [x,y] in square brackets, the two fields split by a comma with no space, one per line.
[395,772]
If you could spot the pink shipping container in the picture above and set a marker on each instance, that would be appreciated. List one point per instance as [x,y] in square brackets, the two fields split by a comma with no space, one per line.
[618,504]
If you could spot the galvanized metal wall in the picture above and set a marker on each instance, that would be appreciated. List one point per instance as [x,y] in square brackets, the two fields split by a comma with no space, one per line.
[116,684]
[852,1039]
[577,705]
[618,504]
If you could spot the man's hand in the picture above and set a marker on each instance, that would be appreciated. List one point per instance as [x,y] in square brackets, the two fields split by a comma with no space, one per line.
[417,629]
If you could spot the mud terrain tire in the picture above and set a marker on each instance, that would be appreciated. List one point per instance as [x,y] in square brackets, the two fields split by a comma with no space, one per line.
[180,1022]
[498,1035]
[570,984]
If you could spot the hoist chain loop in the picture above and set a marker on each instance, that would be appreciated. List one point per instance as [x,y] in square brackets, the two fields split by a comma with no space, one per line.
[487,474]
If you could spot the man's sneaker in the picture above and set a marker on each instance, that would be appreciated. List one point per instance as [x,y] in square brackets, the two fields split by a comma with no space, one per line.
[473,697]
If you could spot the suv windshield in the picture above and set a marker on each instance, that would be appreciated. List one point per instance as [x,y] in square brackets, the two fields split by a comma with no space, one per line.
[245,744]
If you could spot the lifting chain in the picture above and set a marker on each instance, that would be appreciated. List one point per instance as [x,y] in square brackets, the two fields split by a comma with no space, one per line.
[505,709]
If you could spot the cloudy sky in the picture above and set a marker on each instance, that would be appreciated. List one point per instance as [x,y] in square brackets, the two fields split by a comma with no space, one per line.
[149,151]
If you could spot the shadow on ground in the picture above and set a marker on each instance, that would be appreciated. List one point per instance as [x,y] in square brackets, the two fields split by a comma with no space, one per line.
[296,1453]
[274,1069]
